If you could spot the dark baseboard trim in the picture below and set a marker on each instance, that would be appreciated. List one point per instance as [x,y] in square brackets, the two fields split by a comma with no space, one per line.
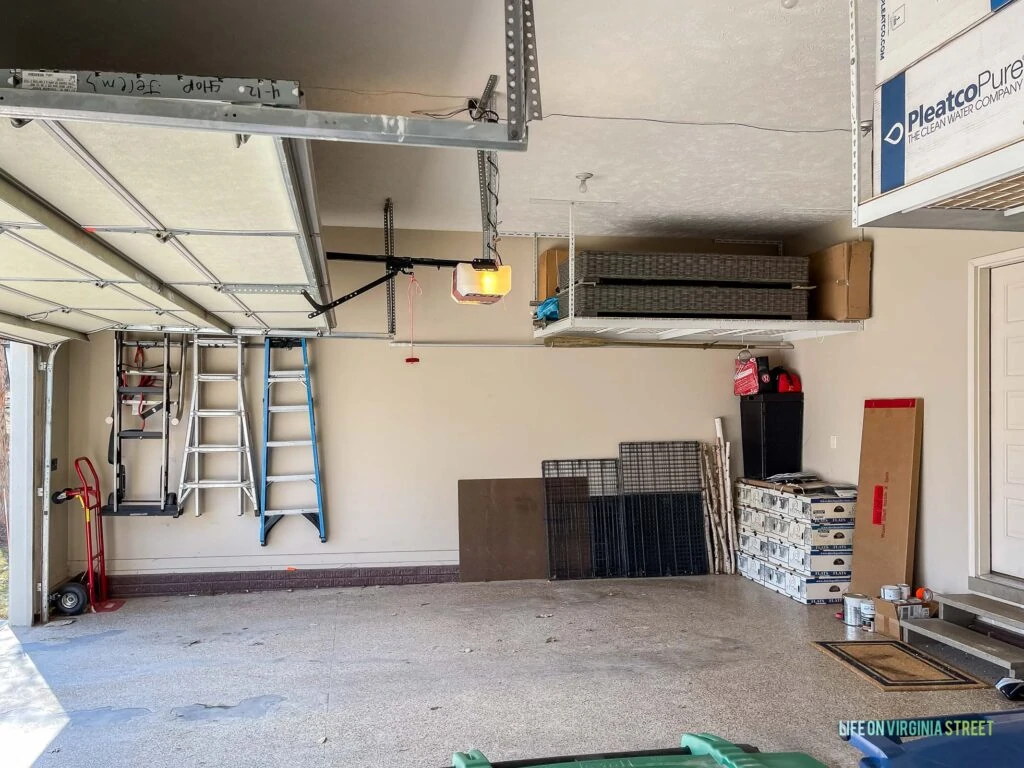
[223,582]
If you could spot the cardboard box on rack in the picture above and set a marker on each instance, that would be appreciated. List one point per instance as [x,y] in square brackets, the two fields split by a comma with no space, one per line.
[547,272]
[841,276]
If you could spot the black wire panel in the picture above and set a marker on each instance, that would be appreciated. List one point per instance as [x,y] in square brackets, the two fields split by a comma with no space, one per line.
[583,510]
[662,505]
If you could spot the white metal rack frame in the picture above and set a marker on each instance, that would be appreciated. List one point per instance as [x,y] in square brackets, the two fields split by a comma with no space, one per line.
[941,200]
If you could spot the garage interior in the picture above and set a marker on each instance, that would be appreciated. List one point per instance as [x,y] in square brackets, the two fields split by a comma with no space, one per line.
[389,380]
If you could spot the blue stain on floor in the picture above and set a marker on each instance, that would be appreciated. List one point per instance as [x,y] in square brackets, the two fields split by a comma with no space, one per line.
[106,716]
[254,707]
[69,643]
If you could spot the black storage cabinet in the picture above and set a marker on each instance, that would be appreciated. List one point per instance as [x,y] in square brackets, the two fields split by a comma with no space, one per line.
[773,433]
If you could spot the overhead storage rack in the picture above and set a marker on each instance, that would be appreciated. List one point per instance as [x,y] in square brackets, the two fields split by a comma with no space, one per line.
[578,329]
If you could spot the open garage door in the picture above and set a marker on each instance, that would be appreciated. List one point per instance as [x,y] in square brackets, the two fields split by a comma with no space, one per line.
[105,225]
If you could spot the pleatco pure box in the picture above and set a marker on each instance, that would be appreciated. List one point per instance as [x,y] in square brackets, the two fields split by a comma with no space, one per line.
[909,30]
[959,102]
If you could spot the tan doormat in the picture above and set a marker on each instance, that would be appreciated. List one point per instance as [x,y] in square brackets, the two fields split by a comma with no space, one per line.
[896,666]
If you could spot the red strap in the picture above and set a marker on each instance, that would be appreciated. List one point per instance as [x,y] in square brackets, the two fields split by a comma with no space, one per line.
[905,402]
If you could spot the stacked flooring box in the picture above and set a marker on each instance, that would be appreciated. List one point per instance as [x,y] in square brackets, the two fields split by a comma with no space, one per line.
[797,539]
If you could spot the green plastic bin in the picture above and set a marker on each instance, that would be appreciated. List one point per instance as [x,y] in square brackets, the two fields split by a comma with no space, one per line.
[697,751]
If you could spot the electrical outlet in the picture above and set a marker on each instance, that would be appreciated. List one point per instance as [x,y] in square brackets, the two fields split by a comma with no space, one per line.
[833,441]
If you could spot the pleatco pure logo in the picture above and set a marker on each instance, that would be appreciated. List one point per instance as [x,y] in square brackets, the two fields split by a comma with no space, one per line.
[987,89]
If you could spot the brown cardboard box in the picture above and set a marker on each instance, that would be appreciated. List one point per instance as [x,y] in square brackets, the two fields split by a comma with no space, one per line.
[887,615]
[842,279]
[890,469]
[547,272]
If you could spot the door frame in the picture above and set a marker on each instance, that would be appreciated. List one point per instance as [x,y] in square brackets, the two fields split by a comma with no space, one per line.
[979,281]
[24,563]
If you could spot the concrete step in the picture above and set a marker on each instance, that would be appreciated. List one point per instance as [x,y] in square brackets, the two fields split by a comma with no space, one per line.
[1004,655]
[986,608]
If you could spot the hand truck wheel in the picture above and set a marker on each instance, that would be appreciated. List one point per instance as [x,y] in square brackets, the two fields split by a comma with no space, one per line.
[72,599]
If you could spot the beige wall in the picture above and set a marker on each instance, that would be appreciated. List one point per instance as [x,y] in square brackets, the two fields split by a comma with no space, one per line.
[396,438]
[914,345]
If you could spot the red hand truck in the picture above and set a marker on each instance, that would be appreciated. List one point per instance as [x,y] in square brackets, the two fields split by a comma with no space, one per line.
[73,598]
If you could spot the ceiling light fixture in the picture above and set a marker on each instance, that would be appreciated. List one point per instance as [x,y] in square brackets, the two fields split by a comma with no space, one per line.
[584,178]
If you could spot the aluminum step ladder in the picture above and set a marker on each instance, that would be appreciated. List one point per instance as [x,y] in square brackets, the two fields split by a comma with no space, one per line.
[193,480]
[147,388]
[288,378]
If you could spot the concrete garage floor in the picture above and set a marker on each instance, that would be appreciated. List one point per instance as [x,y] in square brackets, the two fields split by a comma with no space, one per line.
[403,676]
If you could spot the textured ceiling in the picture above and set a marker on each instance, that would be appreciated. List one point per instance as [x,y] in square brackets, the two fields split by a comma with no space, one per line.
[695,60]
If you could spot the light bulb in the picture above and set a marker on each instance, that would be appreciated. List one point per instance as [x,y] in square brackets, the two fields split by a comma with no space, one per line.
[584,178]
[583,186]
[789,4]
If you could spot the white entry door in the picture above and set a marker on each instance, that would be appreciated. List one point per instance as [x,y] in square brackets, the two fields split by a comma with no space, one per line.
[1007,425]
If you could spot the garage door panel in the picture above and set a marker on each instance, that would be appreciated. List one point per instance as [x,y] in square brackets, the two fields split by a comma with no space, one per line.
[208,298]
[195,179]
[11,215]
[25,334]
[247,259]
[58,246]
[276,320]
[157,258]
[22,261]
[81,295]
[290,320]
[276,302]
[23,306]
[38,162]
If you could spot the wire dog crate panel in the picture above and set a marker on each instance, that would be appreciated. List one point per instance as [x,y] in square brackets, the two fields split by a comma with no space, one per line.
[607,519]
[593,266]
[663,506]
[583,510]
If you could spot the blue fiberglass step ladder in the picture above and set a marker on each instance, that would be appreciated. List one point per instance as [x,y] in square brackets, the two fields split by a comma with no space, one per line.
[269,517]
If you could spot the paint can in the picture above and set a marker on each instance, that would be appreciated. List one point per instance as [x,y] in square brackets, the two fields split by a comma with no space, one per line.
[904,591]
[867,615]
[851,609]
[891,592]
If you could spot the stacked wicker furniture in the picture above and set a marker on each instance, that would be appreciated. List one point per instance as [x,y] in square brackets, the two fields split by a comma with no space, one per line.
[613,284]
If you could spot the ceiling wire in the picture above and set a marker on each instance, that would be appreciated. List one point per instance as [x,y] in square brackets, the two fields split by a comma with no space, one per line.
[709,123]
[572,116]
[384,93]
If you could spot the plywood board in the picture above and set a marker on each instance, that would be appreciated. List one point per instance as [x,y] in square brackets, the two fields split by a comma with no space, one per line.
[195,179]
[38,162]
[502,535]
